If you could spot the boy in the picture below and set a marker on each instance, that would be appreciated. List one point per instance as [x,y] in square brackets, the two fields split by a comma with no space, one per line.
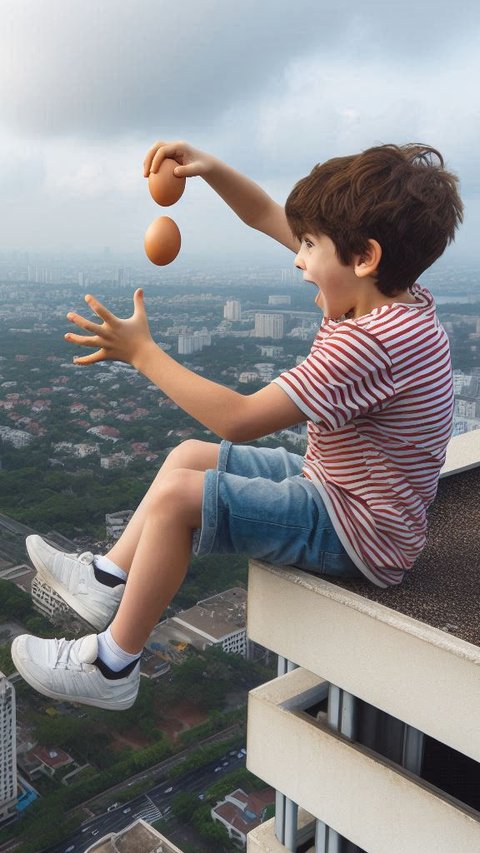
[376,390]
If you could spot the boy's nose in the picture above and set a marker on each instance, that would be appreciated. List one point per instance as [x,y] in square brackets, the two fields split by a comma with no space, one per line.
[299,262]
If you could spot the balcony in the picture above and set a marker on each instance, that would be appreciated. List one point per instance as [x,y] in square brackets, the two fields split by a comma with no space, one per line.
[371,682]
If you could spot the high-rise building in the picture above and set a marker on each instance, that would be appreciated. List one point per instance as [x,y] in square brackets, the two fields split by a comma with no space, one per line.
[232,310]
[8,750]
[269,326]
[188,344]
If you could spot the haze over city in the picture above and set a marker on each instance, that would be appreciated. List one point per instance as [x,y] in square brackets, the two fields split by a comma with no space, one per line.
[271,88]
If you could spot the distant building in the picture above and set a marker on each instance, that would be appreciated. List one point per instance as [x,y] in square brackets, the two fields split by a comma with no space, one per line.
[232,310]
[190,343]
[8,756]
[46,601]
[43,761]
[240,812]
[17,437]
[216,621]
[116,522]
[269,326]
[138,836]
[271,351]
[248,376]
[279,299]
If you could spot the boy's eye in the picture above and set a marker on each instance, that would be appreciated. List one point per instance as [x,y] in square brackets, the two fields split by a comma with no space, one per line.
[308,243]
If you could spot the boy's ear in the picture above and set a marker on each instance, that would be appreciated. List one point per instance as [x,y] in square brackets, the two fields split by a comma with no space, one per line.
[367,263]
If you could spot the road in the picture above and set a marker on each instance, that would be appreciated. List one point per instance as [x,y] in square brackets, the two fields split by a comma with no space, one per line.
[151,806]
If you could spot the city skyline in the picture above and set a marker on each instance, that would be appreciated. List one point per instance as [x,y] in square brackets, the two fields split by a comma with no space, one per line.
[84,94]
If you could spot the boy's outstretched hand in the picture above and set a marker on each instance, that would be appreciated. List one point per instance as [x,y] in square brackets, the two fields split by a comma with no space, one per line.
[114,339]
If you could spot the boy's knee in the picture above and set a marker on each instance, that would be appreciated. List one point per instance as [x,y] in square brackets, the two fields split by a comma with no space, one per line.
[194,454]
[180,491]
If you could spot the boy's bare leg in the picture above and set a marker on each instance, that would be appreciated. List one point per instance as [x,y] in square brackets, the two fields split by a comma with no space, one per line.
[194,455]
[162,555]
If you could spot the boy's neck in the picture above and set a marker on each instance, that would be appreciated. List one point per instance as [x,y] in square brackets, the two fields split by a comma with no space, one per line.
[371,299]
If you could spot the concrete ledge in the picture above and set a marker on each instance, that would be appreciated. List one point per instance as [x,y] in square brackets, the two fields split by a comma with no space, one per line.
[367,799]
[262,839]
[411,670]
[463,452]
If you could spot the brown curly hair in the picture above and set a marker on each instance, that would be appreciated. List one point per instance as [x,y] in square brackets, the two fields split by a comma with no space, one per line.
[401,196]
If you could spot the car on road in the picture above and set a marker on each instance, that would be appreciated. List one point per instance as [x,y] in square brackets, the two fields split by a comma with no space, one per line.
[113,806]
[69,849]
[95,832]
[239,754]
[217,769]
[127,810]
[168,790]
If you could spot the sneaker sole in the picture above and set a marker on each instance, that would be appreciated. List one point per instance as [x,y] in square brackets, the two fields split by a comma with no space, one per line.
[63,592]
[64,697]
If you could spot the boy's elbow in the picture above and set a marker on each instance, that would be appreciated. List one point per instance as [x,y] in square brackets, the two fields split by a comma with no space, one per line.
[236,433]
[240,428]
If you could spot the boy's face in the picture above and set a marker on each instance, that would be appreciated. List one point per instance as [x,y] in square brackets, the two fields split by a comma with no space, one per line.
[338,286]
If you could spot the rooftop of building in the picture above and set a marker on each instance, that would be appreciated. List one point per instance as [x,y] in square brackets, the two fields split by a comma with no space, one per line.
[443,587]
[217,616]
[139,837]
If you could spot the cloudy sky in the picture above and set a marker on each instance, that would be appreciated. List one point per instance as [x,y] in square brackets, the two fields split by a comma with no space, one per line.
[270,86]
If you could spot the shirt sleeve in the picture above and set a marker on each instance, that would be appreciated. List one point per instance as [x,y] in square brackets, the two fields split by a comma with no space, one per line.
[346,375]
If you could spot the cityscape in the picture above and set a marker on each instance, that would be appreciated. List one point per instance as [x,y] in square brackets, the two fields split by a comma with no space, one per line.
[78,448]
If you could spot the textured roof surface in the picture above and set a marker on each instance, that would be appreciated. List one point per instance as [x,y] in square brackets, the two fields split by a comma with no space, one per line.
[443,587]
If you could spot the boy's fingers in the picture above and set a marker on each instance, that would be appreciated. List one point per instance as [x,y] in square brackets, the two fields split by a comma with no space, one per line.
[83,340]
[173,150]
[99,355]
[147,163]
[100,309]
[82,322]
[138,299]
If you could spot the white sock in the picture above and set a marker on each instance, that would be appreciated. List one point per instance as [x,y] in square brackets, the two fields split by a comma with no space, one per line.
[107,565]
[111,654]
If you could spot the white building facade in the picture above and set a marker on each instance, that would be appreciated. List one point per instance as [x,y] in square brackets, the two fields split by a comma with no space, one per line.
[232,310]
[269,326]
[8,752]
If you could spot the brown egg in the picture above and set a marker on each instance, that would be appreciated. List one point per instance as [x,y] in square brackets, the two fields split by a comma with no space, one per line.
[165,188]
[162,241]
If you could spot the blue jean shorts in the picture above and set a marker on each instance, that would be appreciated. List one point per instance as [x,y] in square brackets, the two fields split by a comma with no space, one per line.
[257,502]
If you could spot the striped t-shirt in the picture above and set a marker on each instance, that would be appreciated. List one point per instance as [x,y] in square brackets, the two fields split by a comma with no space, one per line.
[378,395]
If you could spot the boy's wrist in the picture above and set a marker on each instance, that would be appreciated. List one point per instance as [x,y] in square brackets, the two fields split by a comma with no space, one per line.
[144,355]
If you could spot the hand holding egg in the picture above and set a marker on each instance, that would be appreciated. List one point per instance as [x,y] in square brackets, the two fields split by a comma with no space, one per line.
[162,237]
[165,188]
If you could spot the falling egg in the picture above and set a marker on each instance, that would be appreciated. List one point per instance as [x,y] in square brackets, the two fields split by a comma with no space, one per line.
[162,241]
[165,188]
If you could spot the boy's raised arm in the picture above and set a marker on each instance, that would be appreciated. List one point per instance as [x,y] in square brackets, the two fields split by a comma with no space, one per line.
[225,412]
[246,198]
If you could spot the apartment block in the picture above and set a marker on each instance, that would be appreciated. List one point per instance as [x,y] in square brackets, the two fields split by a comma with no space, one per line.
[232,310]
[8,757]
[269,326]
[369,734]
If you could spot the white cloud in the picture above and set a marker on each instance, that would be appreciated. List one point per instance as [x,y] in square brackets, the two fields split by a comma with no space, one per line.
[272,87]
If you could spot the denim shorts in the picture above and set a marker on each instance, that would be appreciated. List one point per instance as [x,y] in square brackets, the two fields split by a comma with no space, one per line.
[257,502]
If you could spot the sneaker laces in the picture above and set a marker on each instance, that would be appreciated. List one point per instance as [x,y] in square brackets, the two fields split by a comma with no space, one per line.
[64,654]
[86,557]
[67,654]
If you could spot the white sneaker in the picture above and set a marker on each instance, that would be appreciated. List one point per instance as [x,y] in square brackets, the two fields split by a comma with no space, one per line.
[73,577]
[65,670]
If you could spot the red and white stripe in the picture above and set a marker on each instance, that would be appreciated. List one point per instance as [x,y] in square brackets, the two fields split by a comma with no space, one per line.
[378,394]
